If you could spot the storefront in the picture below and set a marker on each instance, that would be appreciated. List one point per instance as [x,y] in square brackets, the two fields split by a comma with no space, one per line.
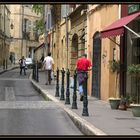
[128,28]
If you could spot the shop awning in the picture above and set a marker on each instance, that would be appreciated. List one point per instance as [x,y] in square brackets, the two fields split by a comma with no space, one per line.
[40,46]
[117,27]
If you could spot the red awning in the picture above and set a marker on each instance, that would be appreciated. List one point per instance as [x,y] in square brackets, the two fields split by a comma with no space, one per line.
[117,27]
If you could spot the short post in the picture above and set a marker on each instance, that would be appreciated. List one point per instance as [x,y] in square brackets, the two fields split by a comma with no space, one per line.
[57,83]
[37,72]
[85,100]
[68,90]
[33,72]
[33,76]
[62,86]
[4,64]
[74,103]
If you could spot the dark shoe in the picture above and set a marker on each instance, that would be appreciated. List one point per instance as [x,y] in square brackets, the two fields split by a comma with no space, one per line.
[81,97]
[46,83]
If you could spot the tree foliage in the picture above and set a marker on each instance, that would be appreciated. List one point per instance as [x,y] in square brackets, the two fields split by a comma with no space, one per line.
[39,9]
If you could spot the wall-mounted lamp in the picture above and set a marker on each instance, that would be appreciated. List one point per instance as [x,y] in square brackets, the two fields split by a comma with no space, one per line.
[12,26]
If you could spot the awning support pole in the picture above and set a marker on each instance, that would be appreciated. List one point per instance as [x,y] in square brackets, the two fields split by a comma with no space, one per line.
[131,30]
[114,41]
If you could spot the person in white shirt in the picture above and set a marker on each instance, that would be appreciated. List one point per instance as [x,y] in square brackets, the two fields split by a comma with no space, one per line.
[22,63]
[49,66]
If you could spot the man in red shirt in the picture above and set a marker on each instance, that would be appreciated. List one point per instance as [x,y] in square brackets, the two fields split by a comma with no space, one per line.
[82,66]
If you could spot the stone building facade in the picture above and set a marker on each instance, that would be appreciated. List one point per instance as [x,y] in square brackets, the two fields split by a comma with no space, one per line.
[25,37]
[5,37]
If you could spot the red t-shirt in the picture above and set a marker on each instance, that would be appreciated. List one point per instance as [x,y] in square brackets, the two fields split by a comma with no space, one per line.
[83,64]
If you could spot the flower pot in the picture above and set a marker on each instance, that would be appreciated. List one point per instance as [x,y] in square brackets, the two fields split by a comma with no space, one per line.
[135,75]
[135,110]
[122,107]
[114,103]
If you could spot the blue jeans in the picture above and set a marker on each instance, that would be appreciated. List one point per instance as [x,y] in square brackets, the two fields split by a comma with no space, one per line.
[81,91]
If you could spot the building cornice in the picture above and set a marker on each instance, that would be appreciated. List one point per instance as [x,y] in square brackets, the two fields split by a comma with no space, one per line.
[80,7]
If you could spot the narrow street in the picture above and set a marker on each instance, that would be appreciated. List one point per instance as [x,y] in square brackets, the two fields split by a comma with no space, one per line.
[82,63]
[23,111]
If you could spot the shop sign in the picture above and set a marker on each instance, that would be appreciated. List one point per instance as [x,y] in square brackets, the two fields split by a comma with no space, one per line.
[133,8]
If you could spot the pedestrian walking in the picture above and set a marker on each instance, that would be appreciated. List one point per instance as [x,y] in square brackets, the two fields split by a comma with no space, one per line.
[49,67]
[22,63]
[11,58]
[82,66]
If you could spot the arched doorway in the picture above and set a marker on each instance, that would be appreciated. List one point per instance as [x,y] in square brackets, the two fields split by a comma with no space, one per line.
[96,61]
[74,52]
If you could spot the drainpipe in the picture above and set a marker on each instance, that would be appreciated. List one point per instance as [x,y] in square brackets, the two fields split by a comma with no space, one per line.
[67,38]
[119,40]
[119,11]
[22,13]
[121,76]
[4,61]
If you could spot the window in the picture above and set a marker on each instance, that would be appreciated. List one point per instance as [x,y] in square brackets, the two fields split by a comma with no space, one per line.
[29,25]
[25,25]
[48,21]
[63,11]
[52,18]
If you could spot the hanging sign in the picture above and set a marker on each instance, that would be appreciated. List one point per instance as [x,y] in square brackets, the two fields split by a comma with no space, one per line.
[133,8]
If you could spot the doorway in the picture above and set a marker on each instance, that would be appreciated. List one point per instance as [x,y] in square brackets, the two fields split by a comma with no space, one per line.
[96,61]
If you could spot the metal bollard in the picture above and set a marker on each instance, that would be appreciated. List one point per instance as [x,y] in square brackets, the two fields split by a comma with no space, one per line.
[37,72]
[4,64]
[34,71]
[62,97]
[57,84]
[85,100]
[68,90]
[74,103]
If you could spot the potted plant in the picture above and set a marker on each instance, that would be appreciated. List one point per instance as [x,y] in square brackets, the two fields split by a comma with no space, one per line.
[114,67]
[134,71]
[125,102]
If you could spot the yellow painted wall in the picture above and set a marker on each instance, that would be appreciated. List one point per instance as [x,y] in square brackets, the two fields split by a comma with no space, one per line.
[98,19]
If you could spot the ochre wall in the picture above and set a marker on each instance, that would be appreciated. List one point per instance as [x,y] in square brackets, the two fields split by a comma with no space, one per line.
[97,21]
